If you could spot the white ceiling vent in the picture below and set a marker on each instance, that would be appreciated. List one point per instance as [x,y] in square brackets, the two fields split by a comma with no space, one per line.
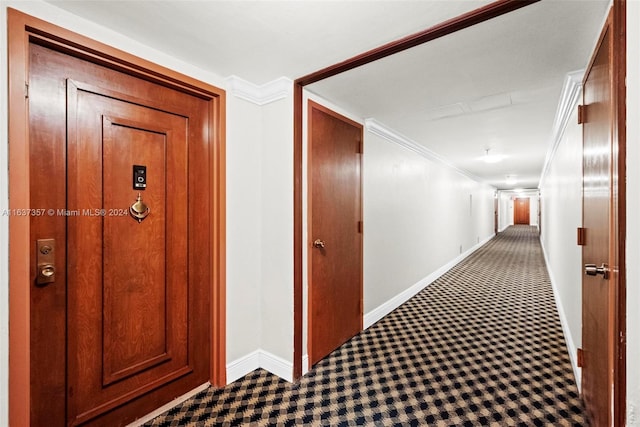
[491,102]
[485,103]
[445,111]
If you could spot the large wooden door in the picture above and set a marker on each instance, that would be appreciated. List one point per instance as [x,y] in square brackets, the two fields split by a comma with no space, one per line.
[521,211]
[124,327]
[335,235]
[598,290]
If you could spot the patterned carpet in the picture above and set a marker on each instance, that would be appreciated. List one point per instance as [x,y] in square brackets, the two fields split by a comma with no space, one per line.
[482,345]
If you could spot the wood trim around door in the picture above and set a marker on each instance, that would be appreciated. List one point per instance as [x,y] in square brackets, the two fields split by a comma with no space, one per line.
[476,16]
[21,29]
[619,202]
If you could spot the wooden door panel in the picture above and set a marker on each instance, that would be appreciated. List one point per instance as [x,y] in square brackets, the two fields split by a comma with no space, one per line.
[335,271]
[134,280]
[128,300]
[521,211]
[47,317]
[598,294]
[130,304]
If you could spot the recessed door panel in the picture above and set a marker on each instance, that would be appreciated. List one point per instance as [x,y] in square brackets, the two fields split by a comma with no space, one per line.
[137,281]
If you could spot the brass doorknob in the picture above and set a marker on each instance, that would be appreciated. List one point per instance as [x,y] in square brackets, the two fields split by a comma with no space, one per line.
[318,244]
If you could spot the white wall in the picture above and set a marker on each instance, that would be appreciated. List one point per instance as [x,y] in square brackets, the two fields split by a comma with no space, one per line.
[418,217]
[277,230]
[533,210]
[505,210]
[561,191]
[244,227]
[633,207]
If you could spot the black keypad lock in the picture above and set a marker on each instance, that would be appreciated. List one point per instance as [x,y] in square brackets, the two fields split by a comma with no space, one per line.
[139,177]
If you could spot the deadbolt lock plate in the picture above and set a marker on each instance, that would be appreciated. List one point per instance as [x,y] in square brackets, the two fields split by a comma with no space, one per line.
[45,261]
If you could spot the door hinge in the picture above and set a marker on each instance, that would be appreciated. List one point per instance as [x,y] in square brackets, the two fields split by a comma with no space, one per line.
[582,114]
[582,236]
[26,90]
[580,360]
[360,227]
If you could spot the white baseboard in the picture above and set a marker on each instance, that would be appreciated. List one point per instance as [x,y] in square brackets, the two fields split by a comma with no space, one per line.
[276,365]
[242,366]
[165,408]
[571,347]
[260,359]
[284,369]
[382,310]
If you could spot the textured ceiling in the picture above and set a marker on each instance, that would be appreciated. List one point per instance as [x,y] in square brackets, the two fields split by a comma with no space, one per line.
[260,41]
[492,86]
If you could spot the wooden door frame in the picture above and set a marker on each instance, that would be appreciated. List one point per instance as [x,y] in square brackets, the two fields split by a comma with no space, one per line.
[23,28]
[620,202]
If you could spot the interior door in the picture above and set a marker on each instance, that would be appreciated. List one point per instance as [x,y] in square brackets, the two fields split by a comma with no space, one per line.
[335,250]
[521,211]
[120,318]
[598,290]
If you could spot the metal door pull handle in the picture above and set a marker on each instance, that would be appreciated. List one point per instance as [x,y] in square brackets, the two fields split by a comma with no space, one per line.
[318,244]
[593,270]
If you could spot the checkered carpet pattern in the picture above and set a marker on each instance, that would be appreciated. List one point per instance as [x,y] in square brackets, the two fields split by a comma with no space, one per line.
[480,346]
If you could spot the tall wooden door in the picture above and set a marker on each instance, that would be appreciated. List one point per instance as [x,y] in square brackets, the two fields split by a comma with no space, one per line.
[120,315]
[335,234]
[521,211]
[598,290]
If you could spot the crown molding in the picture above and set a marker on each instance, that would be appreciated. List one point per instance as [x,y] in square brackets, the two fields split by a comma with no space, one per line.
[379,129]
[260,94]
[568,101]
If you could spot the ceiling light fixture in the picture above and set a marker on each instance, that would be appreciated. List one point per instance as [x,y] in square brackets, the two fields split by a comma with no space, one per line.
[492,158]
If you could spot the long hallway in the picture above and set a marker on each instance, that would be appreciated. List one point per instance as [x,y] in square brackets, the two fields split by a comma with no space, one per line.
[482,345]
